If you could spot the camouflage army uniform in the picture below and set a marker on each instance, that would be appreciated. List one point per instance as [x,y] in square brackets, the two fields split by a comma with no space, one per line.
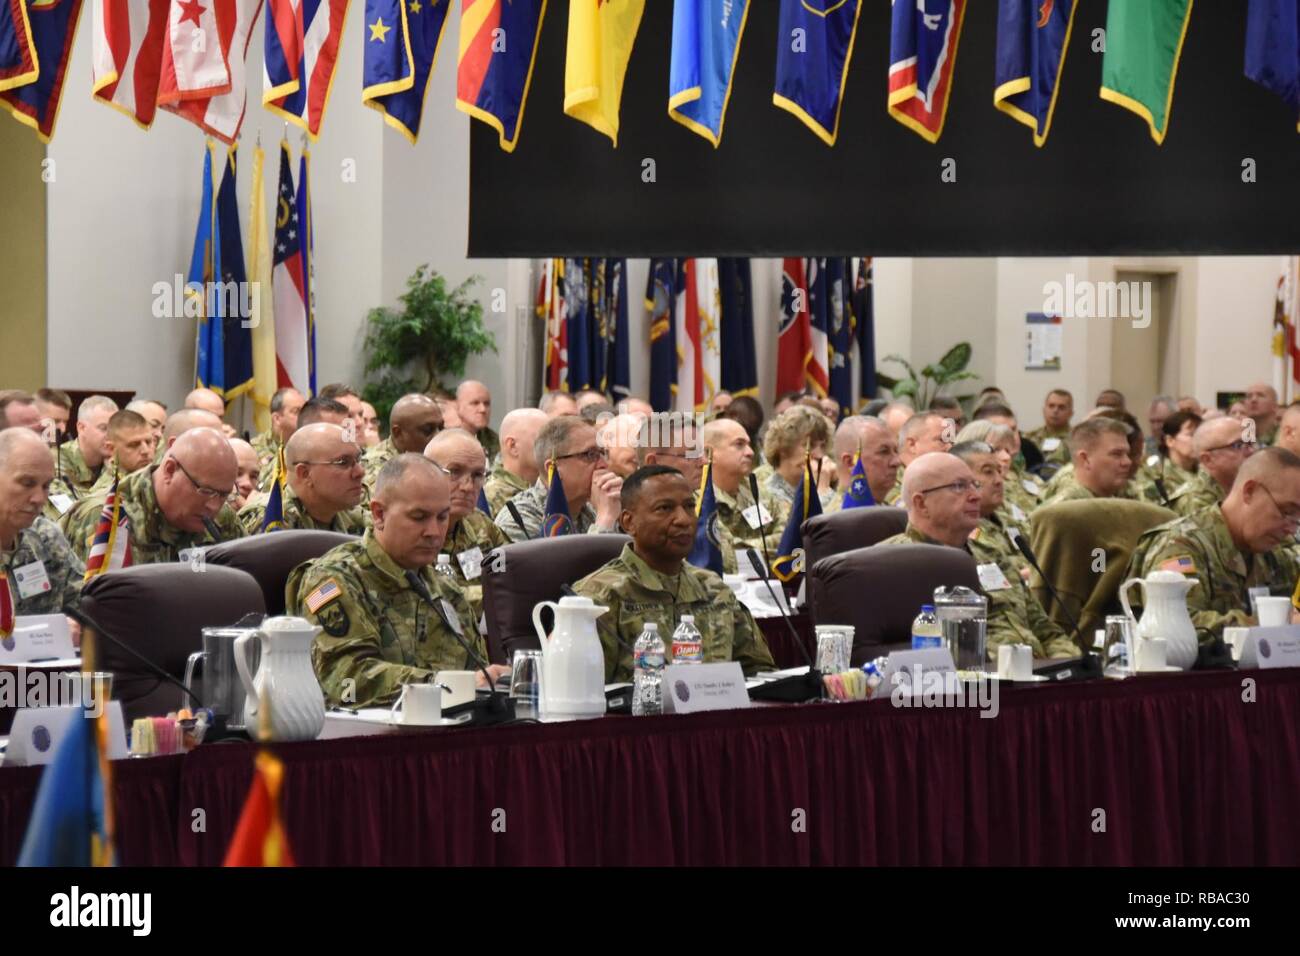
[1014,614]
[475,530]
[1270,439]
[101,485]
[895,494]
[635,593]
[1199,546]
[738,534]
[1020,501]
[1067,488]
[783,492]
[531,505]
[43,542]
[1197,494]
[296,516]
[268,448]
[501,486]
[153,539]
[376,631]
[375,459]
[71,467]
[1167,473]
[490,441]
[1058,454]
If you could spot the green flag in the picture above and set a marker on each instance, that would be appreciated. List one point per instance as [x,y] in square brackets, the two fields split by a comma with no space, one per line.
[1144,39]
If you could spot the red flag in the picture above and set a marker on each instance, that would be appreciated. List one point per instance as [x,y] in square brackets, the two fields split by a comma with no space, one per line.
[794,342]
[259,837]
[551,307]
[193,62]
[126,64]
[6,607]
[223,115]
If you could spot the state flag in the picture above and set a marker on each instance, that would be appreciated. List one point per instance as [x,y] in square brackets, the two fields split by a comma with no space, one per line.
[601,36]
[259,838]
[288,287]
[1144,39]
[739,359]
[864,326]
[222,115]
[618,362]
[1033,36]
[858,493]
[555,518]
[193,62]
[923,40]
[235,323]
[18,60]
[110,546]
[814,47]
[706,44]
[696,330]
[259,269]
[301,51]
[839,336]
[706,552]
[127,41]
[661,304]
[817,371]
[401,49]
[1273,49]
[553,310]
[498,46]
[794,336]
[273,516]
[53,28]
[788,562]
[201,284]
[306,250]
[72,816]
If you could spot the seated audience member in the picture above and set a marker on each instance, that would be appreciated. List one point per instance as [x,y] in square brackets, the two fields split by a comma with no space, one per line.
[948,407]
[474,406]
[1188,403]
[1176,463]
[1247,541]
[1161,407]
[651,581]
[170,507]
[794,436]
[18,410]
[55,406]
[29,540]
[209,401]
[1102,462]
[745,522]
[591,489]
[130,447]
[593,413]
[323,490]
[246,478]
[516,468]
[371,437]
[369,596]
[1220,451]
[286,403]
[721,400]
[154,414]
[675,441]
[414,420]
[921,434]
[1110,398]
[81,460]
[471,535]
[829,407]
[1261,408]
[1053,437]
[870,437]
[619,436]
[349,398]
[1288,429]
[896,414]
[557,403]
[1018,501]
[787,401]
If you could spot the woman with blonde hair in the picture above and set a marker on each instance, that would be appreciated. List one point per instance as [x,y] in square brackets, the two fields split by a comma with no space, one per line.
[1002,439]
[797,430]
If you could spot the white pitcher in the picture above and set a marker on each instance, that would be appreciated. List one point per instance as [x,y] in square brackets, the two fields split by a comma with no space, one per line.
[285,676]
[573,663]
[1164,614]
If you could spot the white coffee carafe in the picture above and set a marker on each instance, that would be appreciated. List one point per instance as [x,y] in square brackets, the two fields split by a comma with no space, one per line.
[285,681]
[1164,614]
[573,663]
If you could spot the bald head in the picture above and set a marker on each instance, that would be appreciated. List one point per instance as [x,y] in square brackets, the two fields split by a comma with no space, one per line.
[325,469]
[1221,448]
[473,404]
[1216,432]
[247,474]
[1262,510]
[461,457]
[619,437]
[322,441]
[518,432]
[411,510]
[922,433]
[935,507]
[187,419]
[414,420]
[26,469]
[196,476]
[206,399]
[895,415]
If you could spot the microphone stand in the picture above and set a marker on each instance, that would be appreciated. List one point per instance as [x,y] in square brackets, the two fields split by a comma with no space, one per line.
[1089,666]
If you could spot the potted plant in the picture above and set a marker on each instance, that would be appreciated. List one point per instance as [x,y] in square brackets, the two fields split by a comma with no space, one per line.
[932,379]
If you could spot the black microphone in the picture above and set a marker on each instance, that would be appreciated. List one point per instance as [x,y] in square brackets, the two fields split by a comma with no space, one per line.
[86,621]
[804,687]
[1090,665]
[496,708]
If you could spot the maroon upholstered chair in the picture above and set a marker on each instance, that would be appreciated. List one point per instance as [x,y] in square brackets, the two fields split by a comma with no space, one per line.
[269,558]
[842,531]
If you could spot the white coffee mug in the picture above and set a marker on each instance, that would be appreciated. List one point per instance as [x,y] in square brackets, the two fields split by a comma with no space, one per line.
[1151,654]
[418,704]
[1273,611]
[1015,661]
[460,687]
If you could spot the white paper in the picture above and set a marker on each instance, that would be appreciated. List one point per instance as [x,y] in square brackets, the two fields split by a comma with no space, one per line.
[690,688]
[37,637]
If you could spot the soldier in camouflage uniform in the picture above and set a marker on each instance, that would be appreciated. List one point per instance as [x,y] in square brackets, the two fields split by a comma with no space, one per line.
[1053,438]
[166,504]
[651,581]
[470,533]
[43,575]
[378,631]
[1102,464]
[415,419]
[1247,541]
[286,403]
[743,524]
[871,438]
[1220,451]
[81,459]
[1261,406]
[324,487]
[516,468]
[130,446]
[474,406]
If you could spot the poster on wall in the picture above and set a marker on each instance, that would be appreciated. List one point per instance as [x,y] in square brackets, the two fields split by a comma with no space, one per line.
[1042,341]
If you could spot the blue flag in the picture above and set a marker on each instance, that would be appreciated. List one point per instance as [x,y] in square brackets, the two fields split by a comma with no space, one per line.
[556,520]
[34,101]
[864,328]
[739,360]
[578,372]
[706,43]
[273,517]
[402,41]
[307,252]
[498,46]
[1273,49]
[660,301]
[789,553]
[812,64]
[619,363]
[1031,45]
[235,306]
[482,503]
[200,283]
[858,494]
[18,65]
[599,334]
[839,318]
[70,821]
[707,553]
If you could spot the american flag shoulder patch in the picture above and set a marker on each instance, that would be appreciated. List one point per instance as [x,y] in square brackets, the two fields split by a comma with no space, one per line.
[1183,565]
[328,591]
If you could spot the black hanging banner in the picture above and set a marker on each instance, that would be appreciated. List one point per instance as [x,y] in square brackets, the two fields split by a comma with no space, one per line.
[1100,185]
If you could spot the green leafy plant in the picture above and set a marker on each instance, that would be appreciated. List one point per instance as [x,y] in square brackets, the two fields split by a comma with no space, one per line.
[433,334]
[933,379]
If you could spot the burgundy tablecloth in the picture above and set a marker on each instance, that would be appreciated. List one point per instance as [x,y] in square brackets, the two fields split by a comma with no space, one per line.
[1177,770]
[781,642]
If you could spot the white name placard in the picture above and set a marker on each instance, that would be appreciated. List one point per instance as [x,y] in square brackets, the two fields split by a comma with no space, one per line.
[690,688]
[37,637]
[1269,647]
[38,731]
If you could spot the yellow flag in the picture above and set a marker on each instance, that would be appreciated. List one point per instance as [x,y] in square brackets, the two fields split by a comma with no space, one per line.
[263,318]
[601,34]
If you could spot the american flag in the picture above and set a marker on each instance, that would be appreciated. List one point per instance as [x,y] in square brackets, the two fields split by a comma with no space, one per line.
[111,547]
[289,287]
[322,596]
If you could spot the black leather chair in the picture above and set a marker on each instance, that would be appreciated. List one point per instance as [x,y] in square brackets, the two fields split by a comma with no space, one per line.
[880,590]
[159,611]
[269,558]
[849,530]
[534,571]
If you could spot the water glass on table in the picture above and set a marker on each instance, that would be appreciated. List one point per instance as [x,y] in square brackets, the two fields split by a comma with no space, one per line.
[834,648]
[526,682]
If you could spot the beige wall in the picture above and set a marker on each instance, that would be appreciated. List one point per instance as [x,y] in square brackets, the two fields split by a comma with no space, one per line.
[22,266]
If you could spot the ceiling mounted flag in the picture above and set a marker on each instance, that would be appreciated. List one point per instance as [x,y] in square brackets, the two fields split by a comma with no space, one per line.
[923,40]
[706,43]
[301,52]
[1273,49]
[1032,39]
[498,46]
[53,28]
[18,63]
[1144,39]
[223,115]
[814,45]
[193,64]
[127,42]
[401,47]
[601,35]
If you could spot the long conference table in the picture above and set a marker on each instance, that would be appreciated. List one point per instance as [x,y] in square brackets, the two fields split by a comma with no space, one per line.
[1185,769]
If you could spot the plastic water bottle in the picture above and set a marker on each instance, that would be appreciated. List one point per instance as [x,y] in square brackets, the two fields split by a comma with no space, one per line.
[443,568]
[648,673]
[926,629]
[688,646]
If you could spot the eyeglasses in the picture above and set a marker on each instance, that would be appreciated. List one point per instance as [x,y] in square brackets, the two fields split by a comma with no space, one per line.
[203,490]
[961,487]
[458,475]
[1290,517]
[590,456]
[346,463]
[1238,445]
